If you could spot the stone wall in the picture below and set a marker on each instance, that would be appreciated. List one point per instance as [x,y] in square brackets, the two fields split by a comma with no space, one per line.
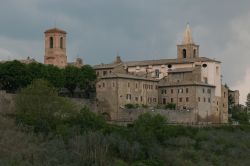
[173,116]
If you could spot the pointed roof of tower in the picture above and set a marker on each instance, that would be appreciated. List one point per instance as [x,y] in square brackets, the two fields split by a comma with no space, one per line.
[187,36]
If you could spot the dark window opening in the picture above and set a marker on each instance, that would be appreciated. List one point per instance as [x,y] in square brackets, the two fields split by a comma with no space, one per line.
[184,53]
[61,42]
[51,42]
[164,101]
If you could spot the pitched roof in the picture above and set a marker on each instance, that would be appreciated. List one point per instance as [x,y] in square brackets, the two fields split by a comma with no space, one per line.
[184,83]
[168,61]
[54,30]
[128,76]
[107,66]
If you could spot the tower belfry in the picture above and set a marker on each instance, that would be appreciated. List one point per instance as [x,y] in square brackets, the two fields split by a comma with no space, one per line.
[187,49]
[55,47]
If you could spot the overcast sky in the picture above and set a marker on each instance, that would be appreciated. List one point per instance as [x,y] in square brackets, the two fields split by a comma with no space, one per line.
[137,29]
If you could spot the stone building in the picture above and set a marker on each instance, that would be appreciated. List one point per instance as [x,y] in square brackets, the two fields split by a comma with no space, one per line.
[234,95]
[117,66]
[189,81]
[55,47]
[114,91]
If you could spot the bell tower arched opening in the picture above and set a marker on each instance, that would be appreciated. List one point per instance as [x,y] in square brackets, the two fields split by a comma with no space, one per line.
[184,53]
[51,42]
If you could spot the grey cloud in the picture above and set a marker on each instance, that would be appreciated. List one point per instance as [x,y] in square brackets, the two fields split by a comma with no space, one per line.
[141,29]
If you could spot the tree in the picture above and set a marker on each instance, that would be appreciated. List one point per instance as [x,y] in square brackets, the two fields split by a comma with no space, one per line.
[248,101]
[87,77]
[71,75]
[40,107]
[54,75]
[239,113]
[13,76]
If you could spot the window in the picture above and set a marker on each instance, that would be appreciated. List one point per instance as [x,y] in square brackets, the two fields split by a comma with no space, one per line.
[180,90]
[217,70]
[172,100]
[203,90]
[104,73]
[180,99]
[224,94]
[164,101]
[186,90]
[51,45]
[184,53]
[61,42]
[162,91]
[136,85]
[209,100]
[128,96]
[103,85]
[128,84]
[187,99]
[204,99]
[141,98]
[194,53]
[136,99]
[172,91]
[205,80]
[208,91]
[157,73]
[199,99]
[165,91]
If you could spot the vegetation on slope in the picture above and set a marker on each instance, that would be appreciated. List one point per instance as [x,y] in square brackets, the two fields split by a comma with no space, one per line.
[46,130]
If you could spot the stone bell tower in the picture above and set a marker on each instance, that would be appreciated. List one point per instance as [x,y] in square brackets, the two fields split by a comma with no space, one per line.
[55,47]
[188,49]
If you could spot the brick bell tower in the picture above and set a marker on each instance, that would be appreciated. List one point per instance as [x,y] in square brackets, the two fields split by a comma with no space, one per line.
[188,49]
[55,47]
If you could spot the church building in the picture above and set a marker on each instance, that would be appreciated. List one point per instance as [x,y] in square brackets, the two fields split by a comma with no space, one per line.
[190,82]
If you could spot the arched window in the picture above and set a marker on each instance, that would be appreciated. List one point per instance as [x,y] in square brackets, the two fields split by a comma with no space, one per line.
[194,53]
[61,42]
[184,53]
[51,42]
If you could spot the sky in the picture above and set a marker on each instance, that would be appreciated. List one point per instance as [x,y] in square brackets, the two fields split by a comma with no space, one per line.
[137,29]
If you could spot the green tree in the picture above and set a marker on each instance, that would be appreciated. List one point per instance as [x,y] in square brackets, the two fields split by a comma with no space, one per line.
[13,76]
[239,113]
[148,127]
[40,107]
[54,75]
[72,77]
[248,101]
[87,77]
